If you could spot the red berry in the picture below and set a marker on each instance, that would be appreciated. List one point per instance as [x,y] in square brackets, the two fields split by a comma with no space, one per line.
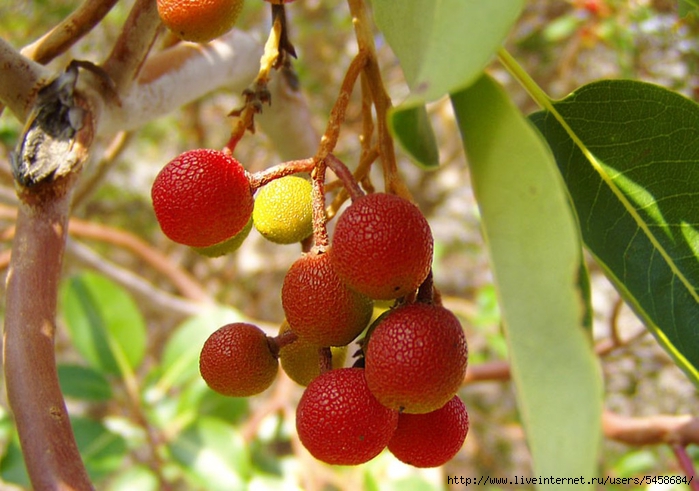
[432,439]
[236,360]
[382,246]
[202,198]
[416,358]
[340,422]
[319,307]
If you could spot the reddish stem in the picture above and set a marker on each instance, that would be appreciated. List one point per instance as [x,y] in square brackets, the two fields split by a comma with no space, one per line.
[687,465]
[325,358]
[320,230]
[345,176]
[261,178]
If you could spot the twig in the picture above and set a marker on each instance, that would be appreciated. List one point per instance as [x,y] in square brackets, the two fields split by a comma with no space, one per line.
[137,36]
[69,31]
[687,465]
[164,301]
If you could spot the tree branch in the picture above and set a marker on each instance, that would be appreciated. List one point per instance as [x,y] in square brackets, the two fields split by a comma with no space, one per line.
[20,80]
[69,31]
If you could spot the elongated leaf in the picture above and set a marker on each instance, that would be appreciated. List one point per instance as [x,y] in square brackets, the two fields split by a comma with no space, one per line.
[633,174]
[535,249]
[104,322]
[444,45]
[414,132]
[83,383]
[213,454]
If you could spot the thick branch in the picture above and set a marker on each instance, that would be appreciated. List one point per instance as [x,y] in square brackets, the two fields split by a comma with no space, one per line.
[51,454]
[20,80]
[182,74]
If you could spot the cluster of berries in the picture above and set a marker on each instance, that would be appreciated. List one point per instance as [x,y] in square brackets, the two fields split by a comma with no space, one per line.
[401,391]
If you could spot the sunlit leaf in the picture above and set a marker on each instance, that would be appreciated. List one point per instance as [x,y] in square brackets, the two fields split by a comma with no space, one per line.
[104,322]
[213,454]
[630,158]
[444,45]
[536,254]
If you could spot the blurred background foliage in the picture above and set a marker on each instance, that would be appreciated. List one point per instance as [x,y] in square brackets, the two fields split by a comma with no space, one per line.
[129,339]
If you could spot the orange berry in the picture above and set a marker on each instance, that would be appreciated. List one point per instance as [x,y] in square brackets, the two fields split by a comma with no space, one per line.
[199,20]
[319,307]
[415,359]
[236,360]
[202,198]
[382,246]
[340,422]
[432,439]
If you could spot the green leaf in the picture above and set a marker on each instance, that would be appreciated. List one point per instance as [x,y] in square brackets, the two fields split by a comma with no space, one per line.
[135,478]
[629,153]
[536,255]
[687,6]
[81,382]
[413,130]
[102,451]
[104,323]
[213,454]
[444,45]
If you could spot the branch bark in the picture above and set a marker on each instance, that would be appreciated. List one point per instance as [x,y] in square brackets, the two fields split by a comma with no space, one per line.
[51,454]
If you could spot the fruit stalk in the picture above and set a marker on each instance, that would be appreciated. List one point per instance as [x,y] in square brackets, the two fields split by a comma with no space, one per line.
[344,174]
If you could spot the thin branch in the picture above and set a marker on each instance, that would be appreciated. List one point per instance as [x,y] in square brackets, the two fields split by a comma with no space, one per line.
[59,39]
[651,430]
[137,36]
[146,291]
[687,465]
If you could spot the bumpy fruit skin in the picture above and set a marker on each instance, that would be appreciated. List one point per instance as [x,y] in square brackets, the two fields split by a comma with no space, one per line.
[227,246]
[382,246]
[300,359]
[432,439]
[340,422]
[236,361]
[199,20]
[283,210]
[416,358]
[202,198]
[319,307]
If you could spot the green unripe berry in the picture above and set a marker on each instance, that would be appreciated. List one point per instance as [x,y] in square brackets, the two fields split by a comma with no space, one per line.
[283,211]
[227,246]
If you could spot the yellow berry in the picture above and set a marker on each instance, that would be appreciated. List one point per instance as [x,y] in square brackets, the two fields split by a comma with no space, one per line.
[300,359]
[283,211]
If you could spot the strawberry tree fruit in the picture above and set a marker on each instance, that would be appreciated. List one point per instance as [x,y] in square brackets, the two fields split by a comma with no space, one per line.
[202,198]
[300,360]
[319,307]
[237,360]
[340,422]
[382,246]
[283,211]
[431,439]
[199,20]
[415,358]
[227,246]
